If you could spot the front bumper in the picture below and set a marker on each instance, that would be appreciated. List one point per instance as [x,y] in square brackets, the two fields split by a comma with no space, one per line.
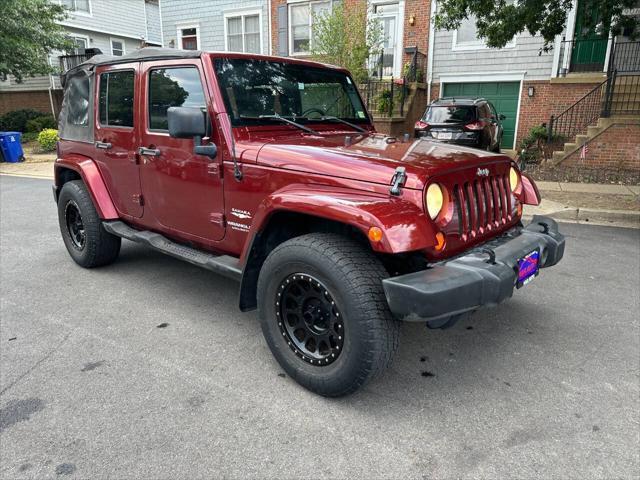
[484,276]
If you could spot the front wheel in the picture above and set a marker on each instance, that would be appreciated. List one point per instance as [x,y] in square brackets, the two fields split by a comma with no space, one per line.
[324,314]
[88,243]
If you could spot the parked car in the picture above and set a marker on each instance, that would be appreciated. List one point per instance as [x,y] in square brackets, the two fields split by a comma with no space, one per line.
[472,122]
[269,171]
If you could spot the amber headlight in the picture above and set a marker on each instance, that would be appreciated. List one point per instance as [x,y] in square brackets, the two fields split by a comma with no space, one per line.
[434,200]
[514,179]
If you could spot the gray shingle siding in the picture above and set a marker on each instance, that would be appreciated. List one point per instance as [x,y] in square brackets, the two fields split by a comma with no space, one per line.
[121,19]
[209,16]
[523,57]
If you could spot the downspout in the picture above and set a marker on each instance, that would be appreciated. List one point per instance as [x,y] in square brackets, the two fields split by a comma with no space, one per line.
[146,21]
[270,42]
[51,85]
[432,41]
[161,24]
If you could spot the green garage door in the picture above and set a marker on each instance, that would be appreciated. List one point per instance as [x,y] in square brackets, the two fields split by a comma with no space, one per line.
[503,95]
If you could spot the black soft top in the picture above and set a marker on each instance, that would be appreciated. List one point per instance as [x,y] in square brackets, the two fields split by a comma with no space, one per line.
[148,53]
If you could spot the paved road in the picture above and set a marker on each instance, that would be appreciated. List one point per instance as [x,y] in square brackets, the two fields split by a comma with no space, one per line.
[546,385]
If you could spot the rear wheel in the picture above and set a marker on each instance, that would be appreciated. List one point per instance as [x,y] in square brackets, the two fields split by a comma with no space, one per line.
[88,243]
[324,314]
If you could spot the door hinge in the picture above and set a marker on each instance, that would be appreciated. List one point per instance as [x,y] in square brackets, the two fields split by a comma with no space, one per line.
[217,219]
[138,199]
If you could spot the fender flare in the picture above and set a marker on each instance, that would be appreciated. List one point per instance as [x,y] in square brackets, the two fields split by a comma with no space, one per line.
[88,171]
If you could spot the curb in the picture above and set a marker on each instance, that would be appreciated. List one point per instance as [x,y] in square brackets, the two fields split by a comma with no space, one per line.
[612,218]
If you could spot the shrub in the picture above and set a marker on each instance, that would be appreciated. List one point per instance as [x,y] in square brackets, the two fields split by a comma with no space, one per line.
[16,121]
[40,123]
[29,137]
[384,102]
[47,139]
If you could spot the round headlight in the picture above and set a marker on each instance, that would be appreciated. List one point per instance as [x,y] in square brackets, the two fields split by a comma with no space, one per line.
[435,200]
[514,179]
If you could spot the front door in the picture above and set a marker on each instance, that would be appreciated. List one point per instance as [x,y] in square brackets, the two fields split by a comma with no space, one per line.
[182,191]
[116,139]
[589,46]
[387,14]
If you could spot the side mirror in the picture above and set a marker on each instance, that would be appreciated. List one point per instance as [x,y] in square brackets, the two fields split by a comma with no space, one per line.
[189,122]
[186,122]
[501,116]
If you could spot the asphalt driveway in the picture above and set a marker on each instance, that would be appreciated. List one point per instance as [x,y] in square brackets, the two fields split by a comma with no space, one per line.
[146,369]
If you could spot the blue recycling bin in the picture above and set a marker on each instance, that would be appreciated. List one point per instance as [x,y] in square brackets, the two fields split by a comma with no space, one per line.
[11,146]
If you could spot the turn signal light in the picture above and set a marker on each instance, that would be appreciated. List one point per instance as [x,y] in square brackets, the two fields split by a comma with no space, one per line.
[375,234]
[421,125]
[519,209]
[439,241]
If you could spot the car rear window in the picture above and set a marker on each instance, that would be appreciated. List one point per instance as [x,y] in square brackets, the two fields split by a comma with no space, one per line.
[452,114]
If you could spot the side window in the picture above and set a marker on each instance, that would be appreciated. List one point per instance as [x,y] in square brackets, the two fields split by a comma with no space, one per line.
[116,99]
[494,114]
[77,100]
[172,87]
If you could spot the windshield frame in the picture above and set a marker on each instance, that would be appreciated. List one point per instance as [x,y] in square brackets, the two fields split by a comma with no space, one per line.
[245,120]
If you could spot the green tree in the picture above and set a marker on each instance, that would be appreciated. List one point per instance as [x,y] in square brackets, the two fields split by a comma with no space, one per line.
[346,37]
[498,21]
[29,31]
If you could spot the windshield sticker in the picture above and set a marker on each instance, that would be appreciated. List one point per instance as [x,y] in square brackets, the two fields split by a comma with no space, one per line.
[300,86]
[360,114]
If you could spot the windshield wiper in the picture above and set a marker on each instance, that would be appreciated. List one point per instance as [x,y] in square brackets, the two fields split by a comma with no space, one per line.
[337,119]
[282,119]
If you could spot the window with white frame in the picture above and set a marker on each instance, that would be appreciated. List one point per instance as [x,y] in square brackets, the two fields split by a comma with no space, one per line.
[79,44]
[82,6]
[301,15]
[188,38]
[243,32]
[117,47]
[466,36]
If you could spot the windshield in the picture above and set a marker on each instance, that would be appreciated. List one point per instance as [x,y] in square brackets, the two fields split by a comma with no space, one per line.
[454,114]
[255,89]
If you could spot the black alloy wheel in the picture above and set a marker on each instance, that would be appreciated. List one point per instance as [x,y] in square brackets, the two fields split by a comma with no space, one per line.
[75,225]
[309,319]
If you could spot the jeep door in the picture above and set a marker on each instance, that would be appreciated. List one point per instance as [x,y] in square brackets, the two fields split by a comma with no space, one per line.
[182,190]
[116,136]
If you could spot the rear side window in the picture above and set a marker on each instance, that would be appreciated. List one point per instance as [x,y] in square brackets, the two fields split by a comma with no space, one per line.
[172,87]
[116,98]
[78,101]
[452,114]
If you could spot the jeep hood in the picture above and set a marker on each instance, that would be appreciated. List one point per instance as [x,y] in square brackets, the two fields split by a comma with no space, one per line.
[372,158]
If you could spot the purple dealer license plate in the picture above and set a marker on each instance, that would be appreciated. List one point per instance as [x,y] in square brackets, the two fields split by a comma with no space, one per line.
[528,268]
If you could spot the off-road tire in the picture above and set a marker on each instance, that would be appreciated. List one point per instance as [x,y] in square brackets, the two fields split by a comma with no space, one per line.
[99,247]
[353,276]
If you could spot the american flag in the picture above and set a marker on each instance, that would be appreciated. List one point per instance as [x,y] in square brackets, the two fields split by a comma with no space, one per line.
[583,152]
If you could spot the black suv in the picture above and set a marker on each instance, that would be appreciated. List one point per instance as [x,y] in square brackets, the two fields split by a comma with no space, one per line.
[473,122]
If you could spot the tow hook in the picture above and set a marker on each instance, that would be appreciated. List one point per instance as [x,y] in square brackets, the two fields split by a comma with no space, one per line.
[397,181]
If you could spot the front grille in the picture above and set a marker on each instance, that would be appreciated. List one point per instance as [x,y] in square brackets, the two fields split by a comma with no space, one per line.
[482,205]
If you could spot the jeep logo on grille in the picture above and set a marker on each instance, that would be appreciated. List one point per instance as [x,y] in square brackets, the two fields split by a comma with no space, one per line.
[483,172]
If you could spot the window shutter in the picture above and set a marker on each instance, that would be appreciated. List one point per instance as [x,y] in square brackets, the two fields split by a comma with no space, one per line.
[283,37]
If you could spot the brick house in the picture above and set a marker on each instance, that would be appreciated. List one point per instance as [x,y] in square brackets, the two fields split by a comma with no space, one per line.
[113,26]
[405,25]
[529,85]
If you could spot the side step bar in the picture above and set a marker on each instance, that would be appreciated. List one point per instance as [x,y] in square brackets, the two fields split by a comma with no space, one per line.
[222,264]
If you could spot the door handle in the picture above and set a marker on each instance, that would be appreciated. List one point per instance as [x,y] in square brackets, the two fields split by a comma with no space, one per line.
[103,145]
[150,152]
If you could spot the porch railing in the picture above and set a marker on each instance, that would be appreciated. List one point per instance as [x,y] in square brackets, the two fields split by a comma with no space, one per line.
[67,62]
[619,94]
[387,96]
[583,56]
[578,116]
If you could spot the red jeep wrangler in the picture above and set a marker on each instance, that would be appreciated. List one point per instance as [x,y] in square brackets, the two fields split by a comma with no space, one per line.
[269,171]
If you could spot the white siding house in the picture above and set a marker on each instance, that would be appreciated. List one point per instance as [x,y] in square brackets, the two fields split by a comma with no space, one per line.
[115,27]
[216,25]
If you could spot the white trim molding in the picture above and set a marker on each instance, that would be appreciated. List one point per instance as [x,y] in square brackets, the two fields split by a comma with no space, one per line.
[242,13]
[122,41]
[185,26]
